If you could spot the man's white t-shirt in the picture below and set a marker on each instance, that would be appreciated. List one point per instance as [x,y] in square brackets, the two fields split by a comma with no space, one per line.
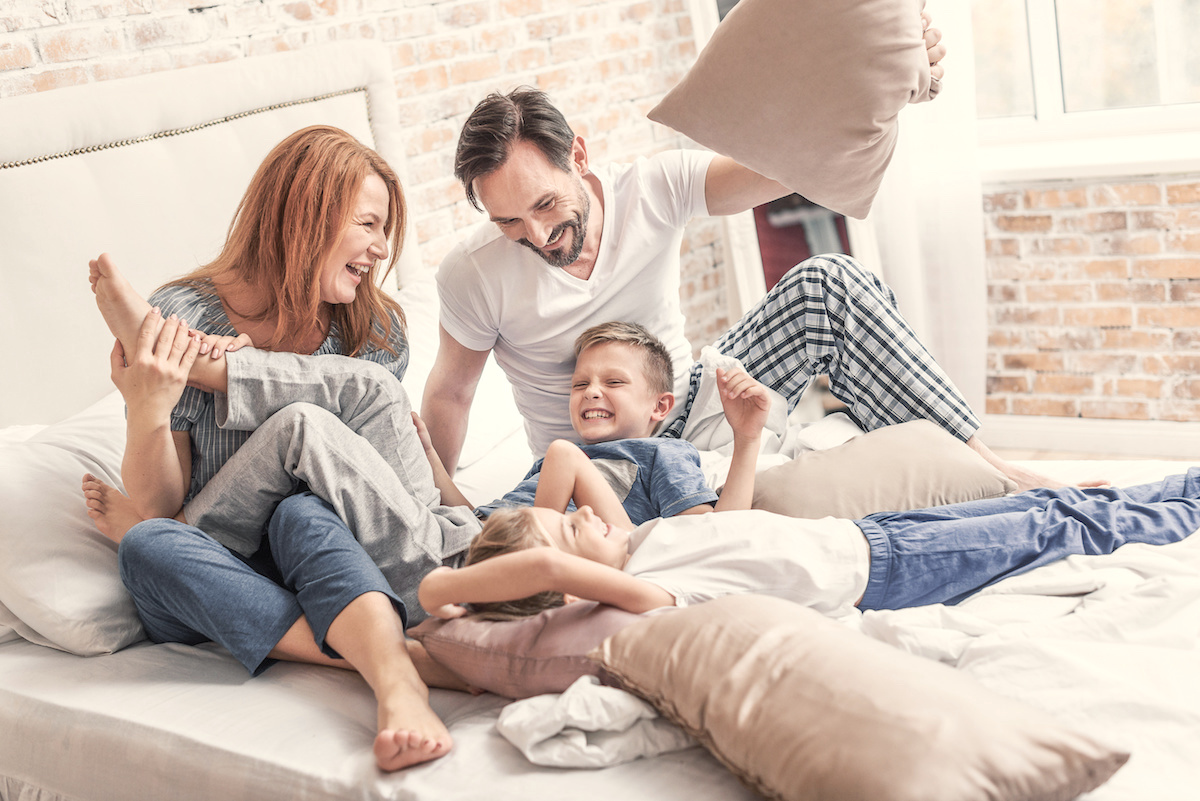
[822,564]
[498,295]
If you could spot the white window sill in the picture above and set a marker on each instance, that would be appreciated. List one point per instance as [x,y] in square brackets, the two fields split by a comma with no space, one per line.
[1114,144]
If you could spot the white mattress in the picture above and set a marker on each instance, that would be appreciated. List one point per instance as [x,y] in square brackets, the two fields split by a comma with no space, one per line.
[102,728]
[1109,643]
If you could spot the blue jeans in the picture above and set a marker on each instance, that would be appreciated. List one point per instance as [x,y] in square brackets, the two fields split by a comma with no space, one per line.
[946,553]
[188,588]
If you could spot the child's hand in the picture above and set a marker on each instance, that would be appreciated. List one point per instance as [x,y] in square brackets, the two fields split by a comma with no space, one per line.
[429,586]
[745,402]
[422,432]
[216,346]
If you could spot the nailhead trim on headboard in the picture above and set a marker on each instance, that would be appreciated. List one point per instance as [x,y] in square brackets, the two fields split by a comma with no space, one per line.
[190,128]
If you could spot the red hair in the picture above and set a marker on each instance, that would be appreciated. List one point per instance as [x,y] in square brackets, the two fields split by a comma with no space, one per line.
[291,217]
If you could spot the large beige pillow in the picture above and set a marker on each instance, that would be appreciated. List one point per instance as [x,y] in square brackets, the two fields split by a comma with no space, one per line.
[912,465]
[807,92]
[802,707]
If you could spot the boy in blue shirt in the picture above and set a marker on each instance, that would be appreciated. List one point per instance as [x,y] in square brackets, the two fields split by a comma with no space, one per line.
[620,394]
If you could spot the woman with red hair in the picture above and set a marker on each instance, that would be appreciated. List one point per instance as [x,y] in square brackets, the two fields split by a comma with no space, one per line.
[297,280]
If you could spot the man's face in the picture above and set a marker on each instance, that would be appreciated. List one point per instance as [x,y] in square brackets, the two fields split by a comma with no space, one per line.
[538,205]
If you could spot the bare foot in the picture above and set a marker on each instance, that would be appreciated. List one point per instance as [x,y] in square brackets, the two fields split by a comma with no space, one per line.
[122,307]
[410,732]
[112,512]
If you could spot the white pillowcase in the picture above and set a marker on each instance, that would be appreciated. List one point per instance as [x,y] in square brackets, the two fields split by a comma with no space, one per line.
[59,585]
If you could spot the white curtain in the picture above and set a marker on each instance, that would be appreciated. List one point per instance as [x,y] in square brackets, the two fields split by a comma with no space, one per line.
[925,231]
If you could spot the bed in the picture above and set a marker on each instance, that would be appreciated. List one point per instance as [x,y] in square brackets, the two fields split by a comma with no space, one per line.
[149,169]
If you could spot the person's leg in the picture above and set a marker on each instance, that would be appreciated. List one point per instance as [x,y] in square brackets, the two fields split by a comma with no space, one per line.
[305,444]
[944,554]
[189,589]
[354,614]
[830,315]
[365,396]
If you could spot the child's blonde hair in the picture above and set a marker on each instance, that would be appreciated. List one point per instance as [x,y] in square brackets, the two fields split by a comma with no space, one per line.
[660,373]
[508,531]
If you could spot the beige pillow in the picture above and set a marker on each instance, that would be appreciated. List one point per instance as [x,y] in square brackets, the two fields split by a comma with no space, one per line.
[907,466]
[545,653]
[802,707]
[807,92]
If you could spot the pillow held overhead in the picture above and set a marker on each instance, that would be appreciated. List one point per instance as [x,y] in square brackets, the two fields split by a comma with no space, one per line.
[807,92]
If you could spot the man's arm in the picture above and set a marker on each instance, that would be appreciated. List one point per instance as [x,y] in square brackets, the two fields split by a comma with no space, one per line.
[449,392]
[730,188]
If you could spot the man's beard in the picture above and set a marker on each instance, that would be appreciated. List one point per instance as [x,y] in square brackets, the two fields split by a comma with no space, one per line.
[563,257]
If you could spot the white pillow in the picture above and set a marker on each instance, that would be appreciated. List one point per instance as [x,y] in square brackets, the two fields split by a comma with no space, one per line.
[58,578]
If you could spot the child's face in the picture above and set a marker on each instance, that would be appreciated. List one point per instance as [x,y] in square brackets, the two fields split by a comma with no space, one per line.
[611,397]
[584,534]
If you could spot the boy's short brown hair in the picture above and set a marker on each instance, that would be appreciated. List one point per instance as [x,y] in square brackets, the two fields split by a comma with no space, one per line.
[658,368]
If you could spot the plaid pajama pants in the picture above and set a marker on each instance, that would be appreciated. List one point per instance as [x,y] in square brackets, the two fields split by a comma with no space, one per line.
[830,316]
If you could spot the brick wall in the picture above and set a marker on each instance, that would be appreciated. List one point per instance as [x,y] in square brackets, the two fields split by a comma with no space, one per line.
[1094,298]
[605,62]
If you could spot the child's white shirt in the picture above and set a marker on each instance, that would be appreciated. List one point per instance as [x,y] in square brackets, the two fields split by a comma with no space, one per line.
[822,564]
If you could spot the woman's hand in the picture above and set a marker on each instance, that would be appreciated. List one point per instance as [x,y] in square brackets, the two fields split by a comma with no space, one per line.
[152,379]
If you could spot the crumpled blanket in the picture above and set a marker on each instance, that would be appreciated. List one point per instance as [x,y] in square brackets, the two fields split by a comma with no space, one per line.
[588,726]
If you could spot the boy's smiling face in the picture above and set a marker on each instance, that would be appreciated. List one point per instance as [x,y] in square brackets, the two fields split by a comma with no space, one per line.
[611,397]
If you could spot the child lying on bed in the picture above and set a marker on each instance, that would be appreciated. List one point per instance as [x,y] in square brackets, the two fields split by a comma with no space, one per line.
[530,559]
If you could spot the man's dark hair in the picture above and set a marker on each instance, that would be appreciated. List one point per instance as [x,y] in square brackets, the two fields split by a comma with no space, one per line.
[498,122]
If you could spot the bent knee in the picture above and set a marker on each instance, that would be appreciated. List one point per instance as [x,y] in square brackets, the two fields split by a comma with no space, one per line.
[153,545]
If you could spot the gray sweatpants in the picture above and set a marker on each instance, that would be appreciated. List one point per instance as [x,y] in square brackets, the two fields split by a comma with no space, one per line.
[342,426]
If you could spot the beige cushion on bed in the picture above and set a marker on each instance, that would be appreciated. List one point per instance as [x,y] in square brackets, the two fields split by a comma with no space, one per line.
[545,653]
[908,466]
[807,92]
[58,575]
[802,707]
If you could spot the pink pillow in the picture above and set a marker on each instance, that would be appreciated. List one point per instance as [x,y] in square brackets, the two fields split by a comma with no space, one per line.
[545,653]
[807,92]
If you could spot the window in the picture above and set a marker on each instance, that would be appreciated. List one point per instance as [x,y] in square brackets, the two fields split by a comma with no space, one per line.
[1075,72]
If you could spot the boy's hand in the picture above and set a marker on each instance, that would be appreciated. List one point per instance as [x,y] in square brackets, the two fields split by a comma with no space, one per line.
[745,402]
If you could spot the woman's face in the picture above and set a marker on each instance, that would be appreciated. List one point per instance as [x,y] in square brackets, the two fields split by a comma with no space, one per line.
[362,242]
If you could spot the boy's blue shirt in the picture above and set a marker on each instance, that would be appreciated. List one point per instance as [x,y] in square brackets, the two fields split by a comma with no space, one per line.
[653,476]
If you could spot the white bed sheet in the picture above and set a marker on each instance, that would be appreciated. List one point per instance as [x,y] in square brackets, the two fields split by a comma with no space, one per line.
[295,732]
[1109,643]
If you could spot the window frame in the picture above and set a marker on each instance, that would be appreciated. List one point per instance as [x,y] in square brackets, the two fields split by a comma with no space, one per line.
[1054,144]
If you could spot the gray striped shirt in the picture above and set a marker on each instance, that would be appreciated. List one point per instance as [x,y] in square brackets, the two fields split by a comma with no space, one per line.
[196,411]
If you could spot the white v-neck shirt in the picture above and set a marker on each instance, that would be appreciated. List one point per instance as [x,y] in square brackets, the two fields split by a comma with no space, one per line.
[498,295]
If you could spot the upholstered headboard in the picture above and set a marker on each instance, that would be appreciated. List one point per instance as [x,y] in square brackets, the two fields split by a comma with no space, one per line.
[149,169]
